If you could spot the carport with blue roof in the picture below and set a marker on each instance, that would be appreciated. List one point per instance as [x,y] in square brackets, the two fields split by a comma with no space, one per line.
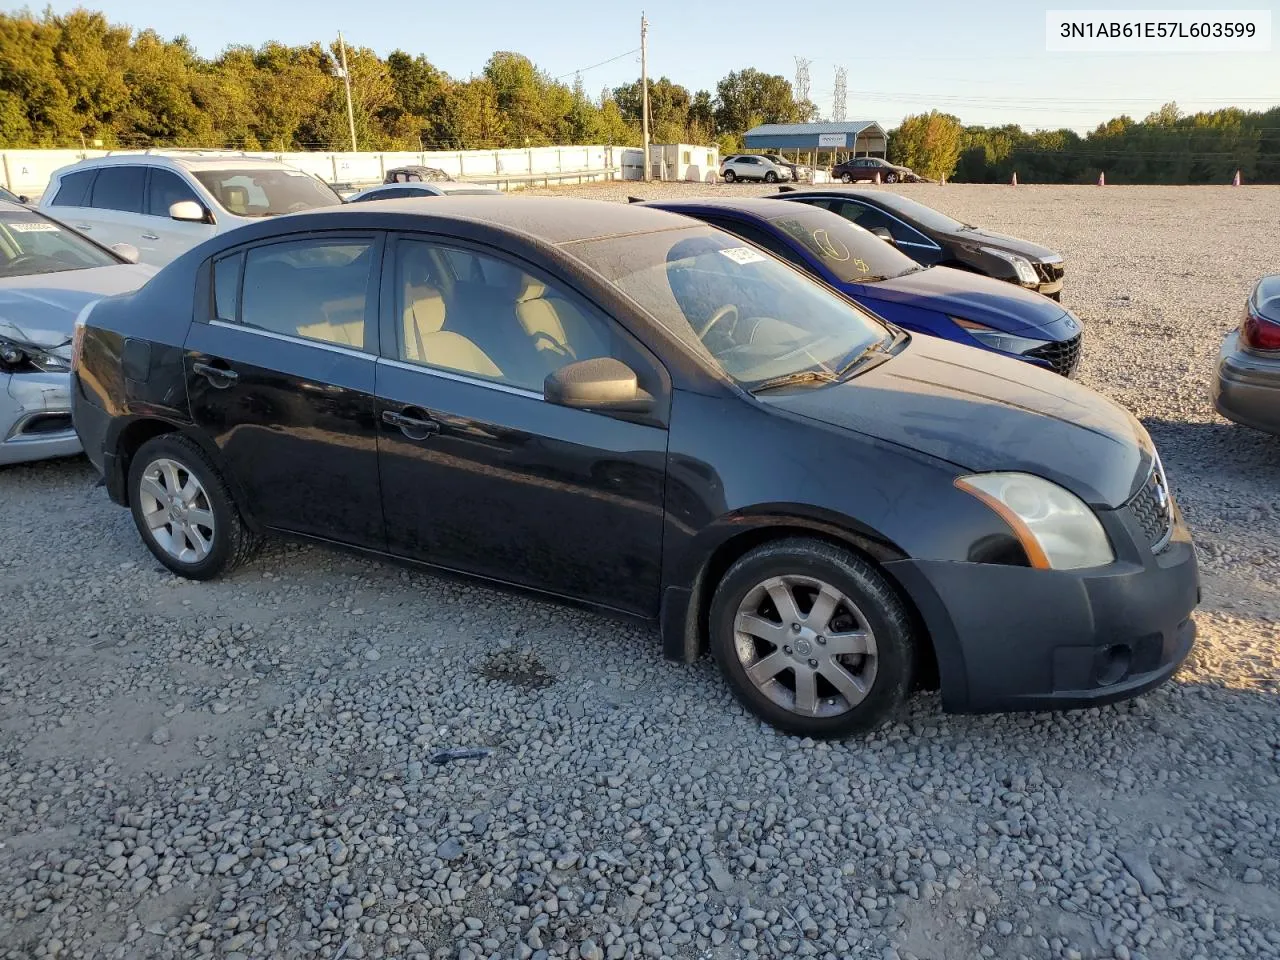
[841,139]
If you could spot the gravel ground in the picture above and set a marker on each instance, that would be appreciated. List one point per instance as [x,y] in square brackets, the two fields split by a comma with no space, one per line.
[248,768]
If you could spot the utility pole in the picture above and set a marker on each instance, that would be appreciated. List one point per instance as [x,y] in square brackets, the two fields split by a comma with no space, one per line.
[346,80]
[838,100]
[644,88]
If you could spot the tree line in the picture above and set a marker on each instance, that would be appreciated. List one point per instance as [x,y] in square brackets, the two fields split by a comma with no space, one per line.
[77,80]
[1164,147]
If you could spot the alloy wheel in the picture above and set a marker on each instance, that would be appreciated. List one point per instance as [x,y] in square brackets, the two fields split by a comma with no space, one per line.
[177,511]
[805,645]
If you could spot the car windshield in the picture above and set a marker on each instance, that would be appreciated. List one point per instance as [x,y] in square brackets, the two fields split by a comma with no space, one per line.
[30,243]
[266,193]
[852,254]
[925,216]
[749,314]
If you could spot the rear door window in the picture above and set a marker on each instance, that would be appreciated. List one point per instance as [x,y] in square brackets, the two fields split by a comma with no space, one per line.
[73,189]
[119,188]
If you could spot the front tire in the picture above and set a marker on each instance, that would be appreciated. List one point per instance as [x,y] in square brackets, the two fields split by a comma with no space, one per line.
[184,510]
[891,178]
[770,177]
[730,176]
[812,638]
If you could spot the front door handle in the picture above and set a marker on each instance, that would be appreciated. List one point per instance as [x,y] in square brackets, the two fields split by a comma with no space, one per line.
[219,377]
[151,236]
[415,428]
[83,226]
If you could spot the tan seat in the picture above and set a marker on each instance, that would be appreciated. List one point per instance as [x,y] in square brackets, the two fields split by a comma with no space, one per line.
[425,340]
[560,332]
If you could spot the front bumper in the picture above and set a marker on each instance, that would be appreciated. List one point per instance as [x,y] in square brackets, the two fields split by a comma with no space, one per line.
[1015,638]
[1247,387]
[35,417]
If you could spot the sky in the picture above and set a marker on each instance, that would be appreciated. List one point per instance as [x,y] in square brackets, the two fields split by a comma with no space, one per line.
[983,60]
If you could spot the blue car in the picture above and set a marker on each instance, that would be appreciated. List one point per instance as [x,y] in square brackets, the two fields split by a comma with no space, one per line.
[952,304]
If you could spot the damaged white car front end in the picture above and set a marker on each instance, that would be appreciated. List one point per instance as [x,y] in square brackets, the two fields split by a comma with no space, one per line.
[35,395]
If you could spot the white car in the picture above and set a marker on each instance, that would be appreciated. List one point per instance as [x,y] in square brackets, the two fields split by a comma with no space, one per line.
[752,167]
[166,203]
[400,191]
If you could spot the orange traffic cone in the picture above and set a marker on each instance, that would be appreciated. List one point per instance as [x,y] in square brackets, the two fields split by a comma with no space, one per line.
[877,177]
[1102,179]
[944,179]
[1014,181]
[1236,181]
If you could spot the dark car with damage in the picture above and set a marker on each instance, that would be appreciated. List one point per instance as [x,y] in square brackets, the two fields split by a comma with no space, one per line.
[932,238]
[615,406]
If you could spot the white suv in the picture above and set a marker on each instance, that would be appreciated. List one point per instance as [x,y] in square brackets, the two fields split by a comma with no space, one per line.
[166,203]
[752,167]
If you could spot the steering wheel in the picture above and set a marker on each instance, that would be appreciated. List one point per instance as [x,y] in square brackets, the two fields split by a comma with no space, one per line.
[24,258]
[728,308]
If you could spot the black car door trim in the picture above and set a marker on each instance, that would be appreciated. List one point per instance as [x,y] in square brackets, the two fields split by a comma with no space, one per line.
[460,378]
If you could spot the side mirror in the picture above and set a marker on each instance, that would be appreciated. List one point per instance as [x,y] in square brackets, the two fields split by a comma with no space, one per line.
[187,211]
[23,198]
[884,234]
[602,383]
[126,250]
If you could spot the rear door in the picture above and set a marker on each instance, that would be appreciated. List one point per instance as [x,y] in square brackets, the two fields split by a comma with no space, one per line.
[907,238]
[115,205]
[479,473]
[161,238]
[280,371]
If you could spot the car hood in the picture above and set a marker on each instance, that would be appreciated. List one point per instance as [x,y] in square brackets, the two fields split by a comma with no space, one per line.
[41,309]
[978,237]
[970,296]
[984,412]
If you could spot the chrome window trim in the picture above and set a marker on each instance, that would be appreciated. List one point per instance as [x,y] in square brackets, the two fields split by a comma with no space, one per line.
[287,338]
[930,245]
[447,374]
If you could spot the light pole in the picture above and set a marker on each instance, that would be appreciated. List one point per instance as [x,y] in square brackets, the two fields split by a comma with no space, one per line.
[346,80]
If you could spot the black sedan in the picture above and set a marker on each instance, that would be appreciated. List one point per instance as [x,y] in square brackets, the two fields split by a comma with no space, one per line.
[622,407]
[932,238]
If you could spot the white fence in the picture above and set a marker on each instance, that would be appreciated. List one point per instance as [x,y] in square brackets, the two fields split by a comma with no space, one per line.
[27,172]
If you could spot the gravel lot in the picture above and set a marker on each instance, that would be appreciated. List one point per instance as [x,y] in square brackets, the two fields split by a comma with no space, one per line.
[244,768]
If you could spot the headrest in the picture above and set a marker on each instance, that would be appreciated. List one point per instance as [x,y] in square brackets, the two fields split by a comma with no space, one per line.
[423,308]
[531,289]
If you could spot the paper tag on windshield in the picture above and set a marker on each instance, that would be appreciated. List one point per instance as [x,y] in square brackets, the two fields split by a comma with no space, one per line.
[742,255]
[33,226]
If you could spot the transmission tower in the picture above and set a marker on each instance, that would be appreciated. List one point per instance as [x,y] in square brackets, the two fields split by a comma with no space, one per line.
[837,100]
[802,79]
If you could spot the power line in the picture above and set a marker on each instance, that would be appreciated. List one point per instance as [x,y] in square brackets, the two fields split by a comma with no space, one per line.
[600,64]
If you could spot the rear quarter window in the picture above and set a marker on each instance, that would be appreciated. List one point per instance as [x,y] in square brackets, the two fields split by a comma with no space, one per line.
[73,189]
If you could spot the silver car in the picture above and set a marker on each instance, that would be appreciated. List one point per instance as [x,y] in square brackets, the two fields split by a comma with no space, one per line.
[1247,388]
[49,274]
[750,166]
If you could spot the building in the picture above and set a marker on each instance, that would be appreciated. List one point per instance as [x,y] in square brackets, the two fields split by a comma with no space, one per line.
[837,141]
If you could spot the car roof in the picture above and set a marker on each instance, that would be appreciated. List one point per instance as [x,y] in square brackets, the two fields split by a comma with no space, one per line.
[182,162]
[554,220]
[763,208]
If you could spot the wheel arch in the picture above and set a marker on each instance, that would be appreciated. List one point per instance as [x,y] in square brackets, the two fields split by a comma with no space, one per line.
[686,610]
[137,431]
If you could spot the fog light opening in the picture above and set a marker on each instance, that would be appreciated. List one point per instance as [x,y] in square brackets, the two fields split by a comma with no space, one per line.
[1113,664]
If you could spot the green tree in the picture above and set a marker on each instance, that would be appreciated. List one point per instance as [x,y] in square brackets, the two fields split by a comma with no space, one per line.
[928,143]
[747,98]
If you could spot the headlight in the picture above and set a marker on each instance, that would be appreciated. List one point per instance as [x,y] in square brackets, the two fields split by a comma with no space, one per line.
[16,357]
[1057,530]
[996,339]
[1021,265]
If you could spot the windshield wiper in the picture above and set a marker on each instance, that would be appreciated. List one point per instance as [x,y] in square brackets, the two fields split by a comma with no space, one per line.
[791,379]
[872,351]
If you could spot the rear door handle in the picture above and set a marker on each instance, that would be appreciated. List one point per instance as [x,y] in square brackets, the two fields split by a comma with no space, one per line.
[415,428]
[83,226]
[150,236]
[218,376]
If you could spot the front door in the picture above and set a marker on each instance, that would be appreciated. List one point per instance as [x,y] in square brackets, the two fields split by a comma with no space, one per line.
[160,238]
[479,473]
[281,373]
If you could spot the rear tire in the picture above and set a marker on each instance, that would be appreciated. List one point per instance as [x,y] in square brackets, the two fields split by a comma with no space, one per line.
[831,656]
[730,176]
[184,510]
[846,178]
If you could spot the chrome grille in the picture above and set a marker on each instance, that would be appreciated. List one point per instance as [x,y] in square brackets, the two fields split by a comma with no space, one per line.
[1063,356]
[1152,507]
